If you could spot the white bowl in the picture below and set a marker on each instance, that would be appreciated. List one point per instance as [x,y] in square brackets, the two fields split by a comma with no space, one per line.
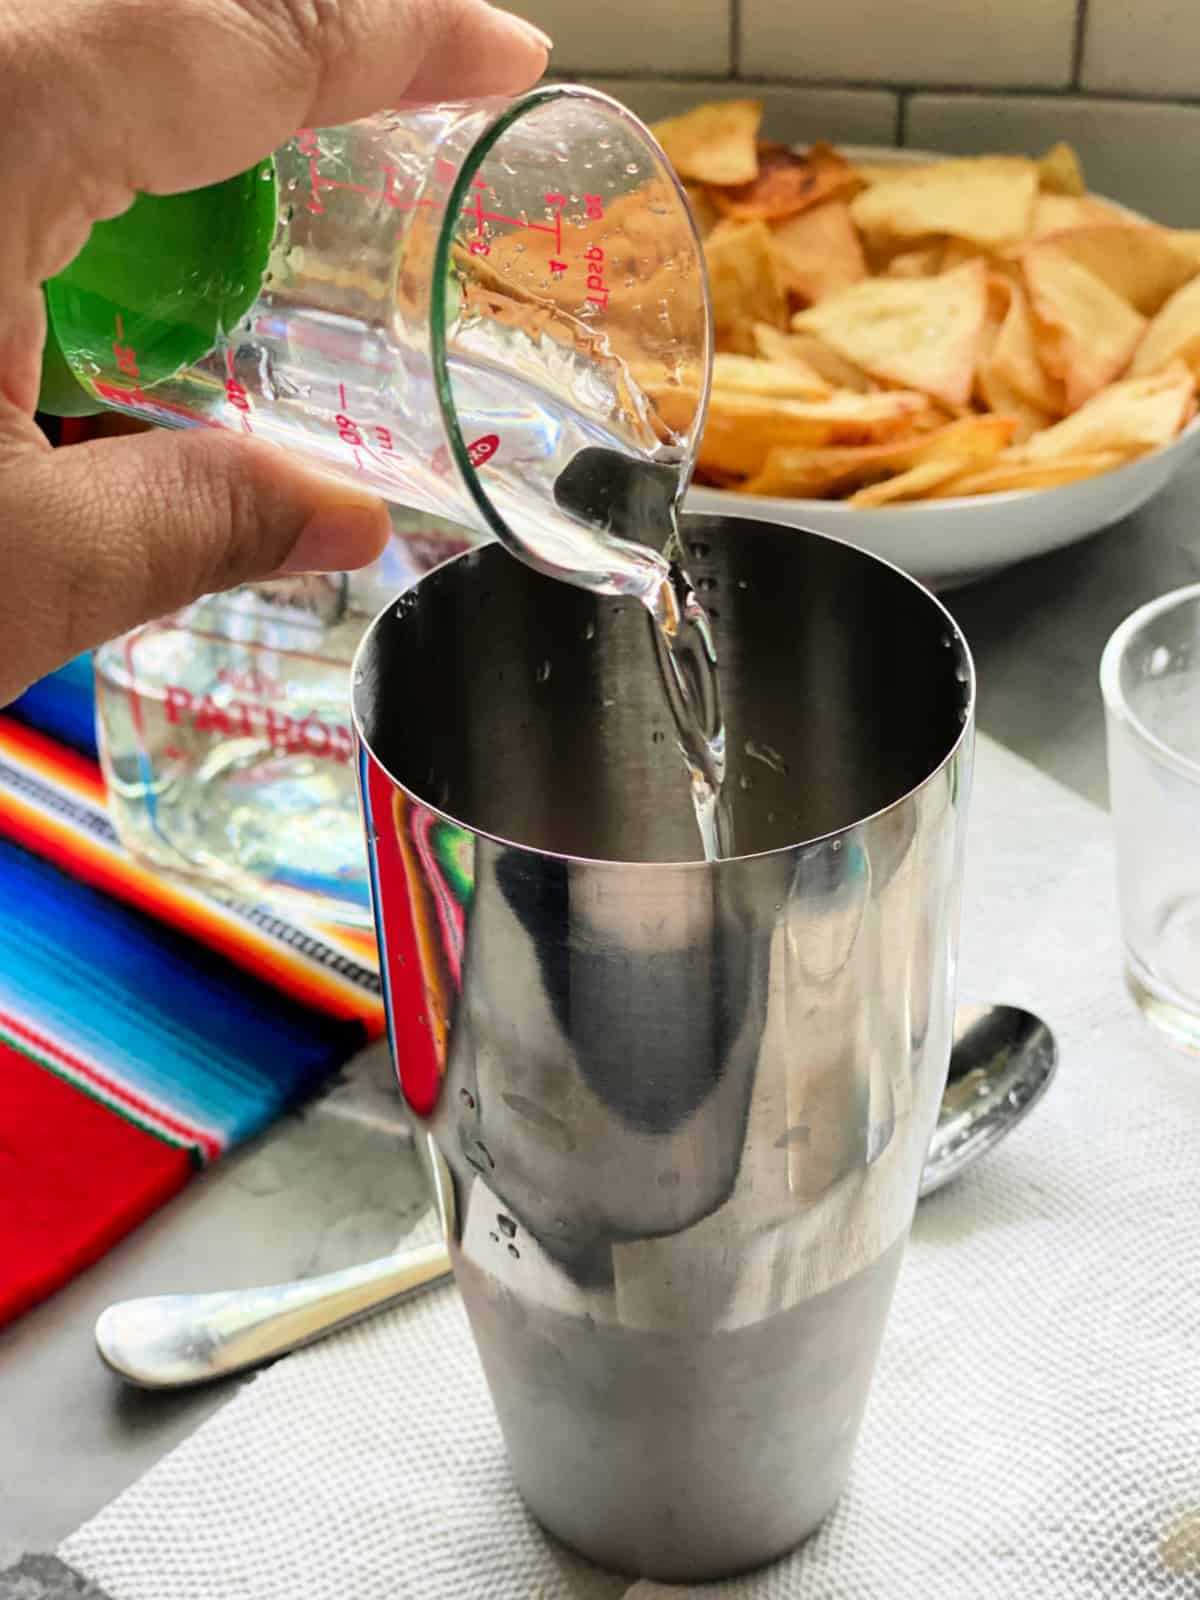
[949,542]
[945,543]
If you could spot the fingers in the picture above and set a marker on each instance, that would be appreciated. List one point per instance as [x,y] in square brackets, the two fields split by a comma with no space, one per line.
[185,92]
[182,93]
[477,50]
[99,537]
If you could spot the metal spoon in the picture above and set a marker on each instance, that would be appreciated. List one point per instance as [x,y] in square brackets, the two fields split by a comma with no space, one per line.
[1002,1060]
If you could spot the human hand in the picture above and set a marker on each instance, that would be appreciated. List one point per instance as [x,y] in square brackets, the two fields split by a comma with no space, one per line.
[161,98]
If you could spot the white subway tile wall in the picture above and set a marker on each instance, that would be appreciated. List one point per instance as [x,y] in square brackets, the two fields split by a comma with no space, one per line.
[668,36]
[980,42]
[1143,47]
[1119,78]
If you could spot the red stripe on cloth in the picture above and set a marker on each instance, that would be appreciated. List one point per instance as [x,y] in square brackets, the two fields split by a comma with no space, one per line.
[74,1178]
[90,1072]
[56,761]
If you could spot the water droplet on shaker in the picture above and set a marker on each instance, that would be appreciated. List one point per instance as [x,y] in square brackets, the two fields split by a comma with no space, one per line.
[631,169]
[514,1252]
[768,755]
[506,1225]
[699,549]
[467,1099]
[494,1237]
[543,673]
[478,1154]
[590,631]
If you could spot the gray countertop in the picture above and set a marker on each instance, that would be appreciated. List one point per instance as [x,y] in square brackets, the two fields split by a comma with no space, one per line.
[337,1183]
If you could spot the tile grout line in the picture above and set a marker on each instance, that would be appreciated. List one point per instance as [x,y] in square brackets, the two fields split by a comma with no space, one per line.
[908,91]
[1077,42]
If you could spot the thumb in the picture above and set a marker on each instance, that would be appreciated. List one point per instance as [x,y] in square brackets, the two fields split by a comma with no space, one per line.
[99,537]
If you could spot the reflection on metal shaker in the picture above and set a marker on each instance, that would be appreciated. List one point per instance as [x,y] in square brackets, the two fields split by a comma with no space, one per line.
[676,1111]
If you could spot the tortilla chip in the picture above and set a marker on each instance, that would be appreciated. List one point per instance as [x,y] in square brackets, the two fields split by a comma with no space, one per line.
[988,199]
[1060,171]
[956,251]
[744,283]
[921,333]
[813,353]
[926,263]
[1005,476]
[1057,213]
[911,485]
[713,143]
[743,428]
[789,380]
[788,183]
[1133,416]
[818,473]
[818,253]
[1140,263]
[1188,241]
[1174,335]
[1005,401]
[999,293]
[1014,359]
[999,298]
[875,172]
[1086,334]
[706,214]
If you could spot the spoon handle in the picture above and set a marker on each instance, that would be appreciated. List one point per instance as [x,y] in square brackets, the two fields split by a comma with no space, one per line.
[170,1341]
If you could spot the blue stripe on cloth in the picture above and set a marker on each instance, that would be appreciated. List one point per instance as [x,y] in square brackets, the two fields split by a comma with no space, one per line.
[63,706]
[170,1019]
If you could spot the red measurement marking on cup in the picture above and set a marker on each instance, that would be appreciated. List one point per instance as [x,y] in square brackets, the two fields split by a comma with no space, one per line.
[475,210]
[125,357]
[390,194]
[235,393]
[555,202]
[478,451]
[348,430]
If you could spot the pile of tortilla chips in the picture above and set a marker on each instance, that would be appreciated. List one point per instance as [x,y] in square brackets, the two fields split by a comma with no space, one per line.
[902,332]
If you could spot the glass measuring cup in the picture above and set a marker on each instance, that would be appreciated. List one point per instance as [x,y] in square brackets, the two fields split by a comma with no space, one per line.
[495,312]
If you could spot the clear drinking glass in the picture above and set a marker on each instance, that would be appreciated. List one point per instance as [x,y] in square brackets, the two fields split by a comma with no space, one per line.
[225,733]
[1150,677]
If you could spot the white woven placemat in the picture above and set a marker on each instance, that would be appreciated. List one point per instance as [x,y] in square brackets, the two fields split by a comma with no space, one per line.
[1034,1430]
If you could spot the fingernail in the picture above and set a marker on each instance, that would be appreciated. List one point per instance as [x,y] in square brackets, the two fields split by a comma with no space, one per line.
[342,536]
[529,28]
